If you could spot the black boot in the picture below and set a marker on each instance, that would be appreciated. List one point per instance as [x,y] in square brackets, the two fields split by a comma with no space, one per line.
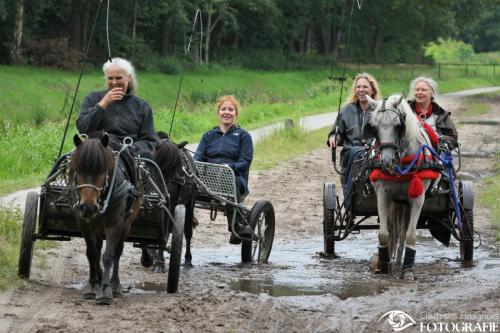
[242,230]
[384,260]
[409,259]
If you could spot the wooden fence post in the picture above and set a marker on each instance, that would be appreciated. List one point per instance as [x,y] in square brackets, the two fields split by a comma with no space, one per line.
[439,71]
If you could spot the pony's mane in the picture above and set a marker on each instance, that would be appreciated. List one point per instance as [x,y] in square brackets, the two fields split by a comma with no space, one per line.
[387,119]
[91,157]
[169,158]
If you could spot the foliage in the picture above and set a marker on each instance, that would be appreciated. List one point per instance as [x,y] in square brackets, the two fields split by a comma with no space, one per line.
[53,52]
[260,34]
[10,237]
[449,51]
[490,198]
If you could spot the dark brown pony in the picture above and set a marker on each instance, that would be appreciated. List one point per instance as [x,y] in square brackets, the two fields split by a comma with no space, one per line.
[94,179]
[171,158]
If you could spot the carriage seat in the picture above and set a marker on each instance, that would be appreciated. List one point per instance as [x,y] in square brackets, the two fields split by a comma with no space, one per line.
[217,178]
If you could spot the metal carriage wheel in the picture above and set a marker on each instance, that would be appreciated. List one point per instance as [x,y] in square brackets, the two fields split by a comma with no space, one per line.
[174,265]
[329,216]
[28,235]
[466,233]
[262,220]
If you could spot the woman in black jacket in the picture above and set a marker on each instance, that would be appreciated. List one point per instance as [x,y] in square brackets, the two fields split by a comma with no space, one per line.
[118,111]
[347,130]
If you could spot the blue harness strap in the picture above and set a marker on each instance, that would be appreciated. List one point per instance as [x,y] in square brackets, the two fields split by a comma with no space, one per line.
[447,159]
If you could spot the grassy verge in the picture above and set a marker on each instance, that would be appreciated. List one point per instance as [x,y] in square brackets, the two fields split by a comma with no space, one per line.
[286,144]
[490,198]
[10,240]
[474,107]
[31,127]
[10,237]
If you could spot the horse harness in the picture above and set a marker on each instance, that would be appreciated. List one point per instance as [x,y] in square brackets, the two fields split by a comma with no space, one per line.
[110,193]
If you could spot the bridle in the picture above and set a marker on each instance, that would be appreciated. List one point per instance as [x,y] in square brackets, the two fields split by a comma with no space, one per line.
[401,130]
[99,190]
[75,193]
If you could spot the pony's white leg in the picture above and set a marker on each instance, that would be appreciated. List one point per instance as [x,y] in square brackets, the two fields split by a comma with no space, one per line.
[383,233]
[403,216]
[383,212]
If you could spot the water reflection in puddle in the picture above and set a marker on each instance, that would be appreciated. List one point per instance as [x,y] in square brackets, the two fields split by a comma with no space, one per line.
[295,268]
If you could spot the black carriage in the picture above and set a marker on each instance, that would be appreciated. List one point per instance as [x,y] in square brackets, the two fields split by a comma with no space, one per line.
[216,192]
[50,216]
[439,214]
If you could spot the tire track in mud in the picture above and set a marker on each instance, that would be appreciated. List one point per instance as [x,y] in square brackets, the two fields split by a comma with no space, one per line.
[41,298]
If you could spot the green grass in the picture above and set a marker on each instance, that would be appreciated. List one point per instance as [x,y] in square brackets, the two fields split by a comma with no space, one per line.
[490,197]
[10,240]
[32,125]
[475,107]
[286,144]
[10,237]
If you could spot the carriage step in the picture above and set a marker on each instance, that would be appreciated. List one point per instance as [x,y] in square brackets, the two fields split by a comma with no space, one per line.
[54,238]
[147,246]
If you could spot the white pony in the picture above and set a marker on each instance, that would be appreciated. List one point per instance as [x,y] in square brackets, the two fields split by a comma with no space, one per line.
[399,197]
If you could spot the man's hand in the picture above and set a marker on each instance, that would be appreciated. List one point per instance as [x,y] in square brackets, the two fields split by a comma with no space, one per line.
[115,94]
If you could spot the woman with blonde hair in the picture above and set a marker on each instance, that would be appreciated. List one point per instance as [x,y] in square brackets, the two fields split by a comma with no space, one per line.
[347,130]
[229,144]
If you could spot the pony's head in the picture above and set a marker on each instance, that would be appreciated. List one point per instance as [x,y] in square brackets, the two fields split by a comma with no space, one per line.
[91,165]
[168,156]
[394,126]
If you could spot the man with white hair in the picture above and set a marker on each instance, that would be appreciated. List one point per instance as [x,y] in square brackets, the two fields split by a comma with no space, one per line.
[118,111]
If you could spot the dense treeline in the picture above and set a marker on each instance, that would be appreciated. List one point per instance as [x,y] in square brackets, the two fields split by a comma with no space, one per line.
[251,33]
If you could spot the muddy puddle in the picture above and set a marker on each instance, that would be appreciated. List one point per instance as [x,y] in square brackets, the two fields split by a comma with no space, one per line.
[296,269]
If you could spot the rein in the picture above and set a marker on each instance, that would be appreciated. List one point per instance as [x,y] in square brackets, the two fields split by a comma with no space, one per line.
[127,142]
[447,159]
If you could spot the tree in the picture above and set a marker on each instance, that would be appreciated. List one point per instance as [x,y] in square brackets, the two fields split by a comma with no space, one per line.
[215,11]
[78,24]
[17,36]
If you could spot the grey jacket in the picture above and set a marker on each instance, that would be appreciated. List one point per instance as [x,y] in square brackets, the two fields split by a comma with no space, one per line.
[349,125]
[131,117]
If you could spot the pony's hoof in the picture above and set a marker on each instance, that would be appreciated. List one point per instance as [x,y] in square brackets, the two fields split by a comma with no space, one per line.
[408,275]
[374,262]
[158,268]
[146,260]
[105,297]
[117,289]
[383,268]
[188,264]
[89,292]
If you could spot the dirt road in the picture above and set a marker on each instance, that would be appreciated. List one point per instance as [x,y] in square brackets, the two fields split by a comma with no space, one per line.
[298,291]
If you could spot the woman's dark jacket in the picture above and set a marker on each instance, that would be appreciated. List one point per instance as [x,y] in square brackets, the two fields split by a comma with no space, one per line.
[132,117]
[444,125]
[234,148]
[349,125]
